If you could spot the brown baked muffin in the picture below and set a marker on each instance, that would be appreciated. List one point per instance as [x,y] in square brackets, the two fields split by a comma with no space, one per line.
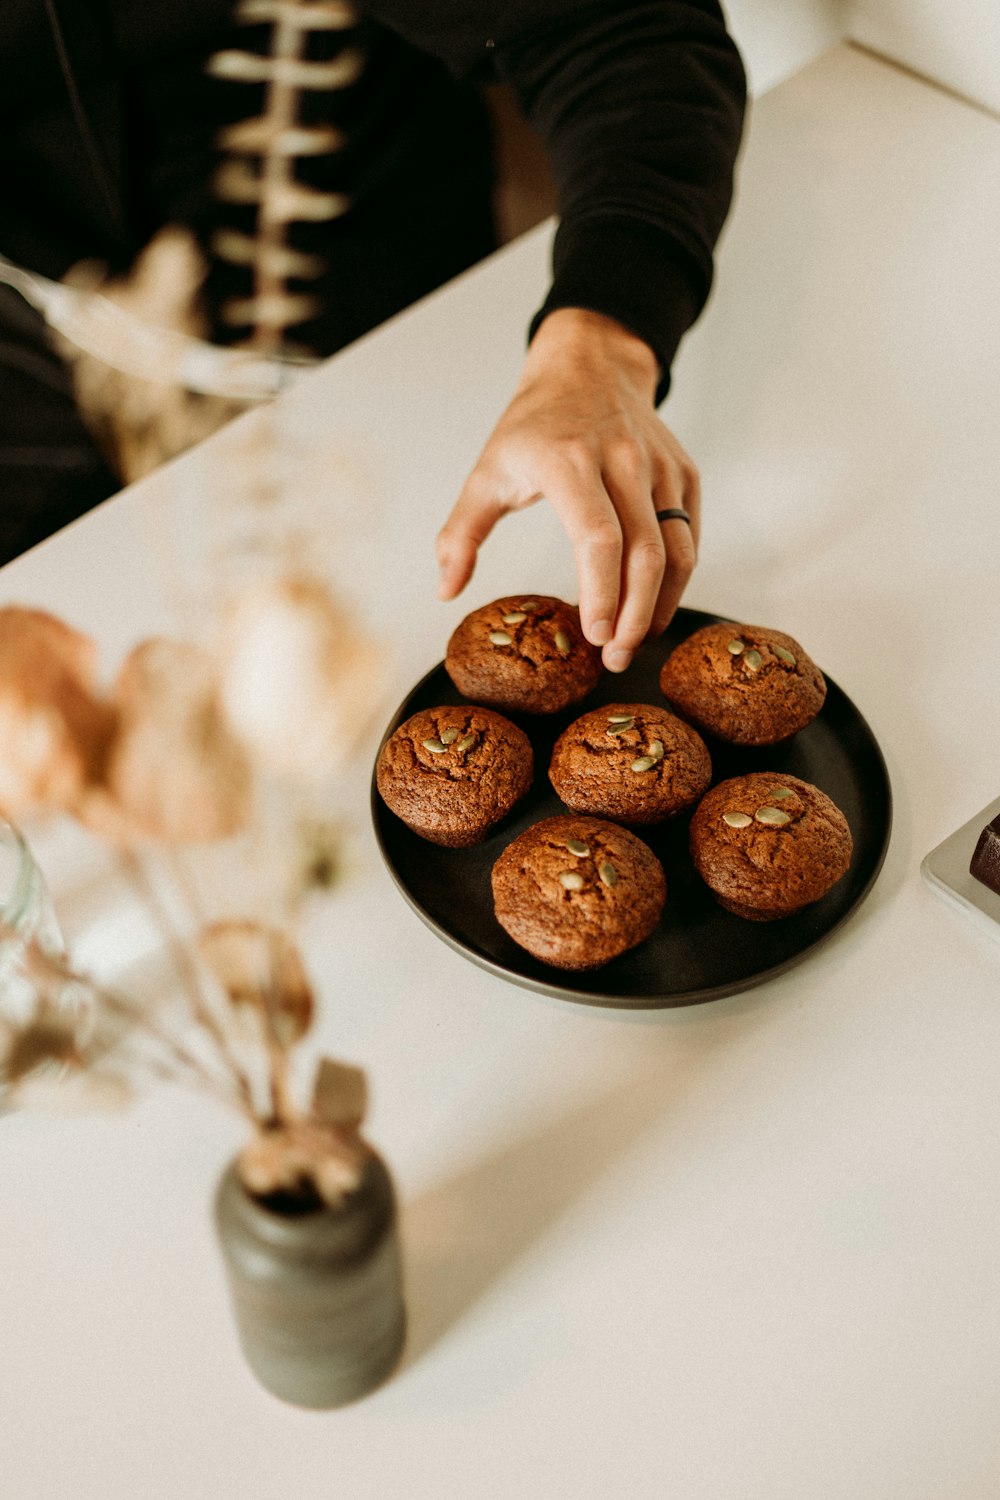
[767,845]
[632,762]
[744,683]
[451,774]
[576,891]
[526,652]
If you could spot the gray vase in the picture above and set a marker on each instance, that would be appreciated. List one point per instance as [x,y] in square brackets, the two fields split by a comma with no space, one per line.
[317,1294]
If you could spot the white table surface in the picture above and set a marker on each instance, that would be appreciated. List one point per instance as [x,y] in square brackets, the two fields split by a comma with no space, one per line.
[740,1251]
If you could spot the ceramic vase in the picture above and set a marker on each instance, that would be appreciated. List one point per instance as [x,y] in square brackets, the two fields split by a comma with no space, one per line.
[317,1294]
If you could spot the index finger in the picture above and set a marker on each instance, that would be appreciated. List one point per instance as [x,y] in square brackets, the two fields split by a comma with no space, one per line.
[591,522]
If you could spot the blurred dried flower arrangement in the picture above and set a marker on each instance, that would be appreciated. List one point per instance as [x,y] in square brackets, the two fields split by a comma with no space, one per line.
[196,747]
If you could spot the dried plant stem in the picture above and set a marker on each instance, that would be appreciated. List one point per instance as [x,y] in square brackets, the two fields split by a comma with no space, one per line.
[187,972]
[282,1102]
[186,1065]
[177,1060]
[277,173]
[185,885]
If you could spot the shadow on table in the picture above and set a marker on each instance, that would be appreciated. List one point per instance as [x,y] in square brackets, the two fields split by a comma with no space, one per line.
[466,1235]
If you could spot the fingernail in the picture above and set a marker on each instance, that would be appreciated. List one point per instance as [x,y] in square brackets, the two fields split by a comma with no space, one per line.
[600,632]
[617,661]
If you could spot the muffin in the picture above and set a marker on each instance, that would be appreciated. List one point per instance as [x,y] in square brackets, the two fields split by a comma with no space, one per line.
[452,774]
[526,653]
[768,845]
[743,683]
[632,762]
[576,891]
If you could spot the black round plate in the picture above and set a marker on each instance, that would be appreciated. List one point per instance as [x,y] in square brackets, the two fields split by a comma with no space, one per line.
[698,952]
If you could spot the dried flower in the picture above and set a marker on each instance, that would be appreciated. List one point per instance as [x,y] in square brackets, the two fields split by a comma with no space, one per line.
[53,1053]
[170,756]
[156,762]
[48,1039]
[175,770]
[54,730]
[259,967]
[290,1160]
[295,677]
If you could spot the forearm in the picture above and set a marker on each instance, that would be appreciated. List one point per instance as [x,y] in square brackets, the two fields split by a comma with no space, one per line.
[641,108]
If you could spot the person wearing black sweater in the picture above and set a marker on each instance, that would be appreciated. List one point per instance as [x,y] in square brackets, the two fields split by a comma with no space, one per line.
[111,123]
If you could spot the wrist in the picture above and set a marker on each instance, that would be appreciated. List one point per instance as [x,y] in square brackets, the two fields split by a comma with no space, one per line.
[575,337]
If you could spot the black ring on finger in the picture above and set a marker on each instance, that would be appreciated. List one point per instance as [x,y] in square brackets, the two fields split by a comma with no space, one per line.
[673,514]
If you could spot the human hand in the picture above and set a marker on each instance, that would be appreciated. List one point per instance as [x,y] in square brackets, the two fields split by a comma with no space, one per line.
[582,432]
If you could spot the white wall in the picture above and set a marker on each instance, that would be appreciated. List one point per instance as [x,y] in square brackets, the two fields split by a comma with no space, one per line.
[956,42]
[778,37]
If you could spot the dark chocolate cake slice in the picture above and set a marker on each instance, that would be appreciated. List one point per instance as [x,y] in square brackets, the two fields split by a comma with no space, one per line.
[985,865]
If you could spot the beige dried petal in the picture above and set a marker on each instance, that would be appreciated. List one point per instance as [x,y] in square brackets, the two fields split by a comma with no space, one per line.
[290,1157]
[36,635]
[54,729]
[100,812]
[296,678]
[260,967]
[74,1089]
[337,1175]
[46,1040]
[340,1094]
[175,771]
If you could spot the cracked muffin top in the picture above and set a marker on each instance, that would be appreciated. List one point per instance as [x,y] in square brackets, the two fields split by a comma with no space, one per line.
[453,773]
[634,762]
[578,891]
[743,683]
[769,844]
[526,653]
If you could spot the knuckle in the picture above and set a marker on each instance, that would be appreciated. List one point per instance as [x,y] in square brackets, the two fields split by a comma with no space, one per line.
[647,557]
[604,539]
[576,453]
[687,469]
[679,566]
[625,458]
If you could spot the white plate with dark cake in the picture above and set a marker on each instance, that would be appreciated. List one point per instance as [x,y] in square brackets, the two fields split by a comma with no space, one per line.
[965,868]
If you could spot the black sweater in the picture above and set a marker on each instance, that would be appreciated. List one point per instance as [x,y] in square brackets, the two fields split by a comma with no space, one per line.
[110,123]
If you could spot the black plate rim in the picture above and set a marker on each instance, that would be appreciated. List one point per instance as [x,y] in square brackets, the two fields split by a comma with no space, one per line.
[569,992]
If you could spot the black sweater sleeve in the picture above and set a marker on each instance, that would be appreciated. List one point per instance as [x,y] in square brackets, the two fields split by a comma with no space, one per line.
[640,105]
